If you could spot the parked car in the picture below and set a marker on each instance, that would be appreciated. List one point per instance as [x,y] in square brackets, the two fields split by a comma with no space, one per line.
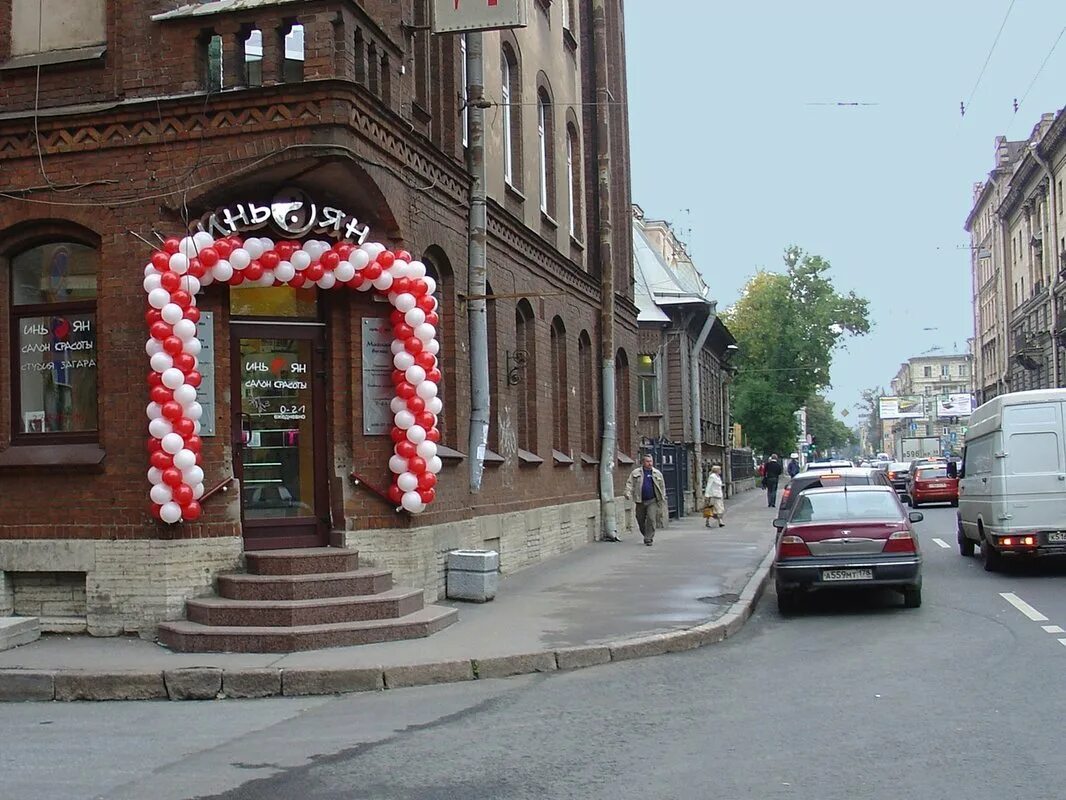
[833,464]
[816,479]
[897,473]
[847,536]
[1012,487]
[930,483]
[927,460]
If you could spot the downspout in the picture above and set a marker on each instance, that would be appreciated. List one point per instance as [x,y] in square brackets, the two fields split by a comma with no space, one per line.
[1053,211]
[606,265]
[477,278]
[694,395]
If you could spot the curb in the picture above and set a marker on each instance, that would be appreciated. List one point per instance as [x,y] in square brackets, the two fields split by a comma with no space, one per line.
[209,683]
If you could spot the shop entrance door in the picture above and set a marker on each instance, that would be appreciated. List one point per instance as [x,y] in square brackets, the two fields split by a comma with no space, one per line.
[279,434]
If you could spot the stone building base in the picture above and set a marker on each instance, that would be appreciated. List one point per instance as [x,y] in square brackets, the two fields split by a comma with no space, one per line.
[108,588]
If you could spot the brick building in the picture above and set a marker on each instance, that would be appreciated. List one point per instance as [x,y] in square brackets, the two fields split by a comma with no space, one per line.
[125,122]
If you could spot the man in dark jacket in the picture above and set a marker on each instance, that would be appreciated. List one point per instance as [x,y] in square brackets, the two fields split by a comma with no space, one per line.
[771,475]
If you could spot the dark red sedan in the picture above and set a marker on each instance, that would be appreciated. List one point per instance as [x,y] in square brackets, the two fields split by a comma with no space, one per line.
[930,484]
[847,536]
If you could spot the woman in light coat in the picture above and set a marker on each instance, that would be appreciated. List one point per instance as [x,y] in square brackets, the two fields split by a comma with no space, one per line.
[714,498]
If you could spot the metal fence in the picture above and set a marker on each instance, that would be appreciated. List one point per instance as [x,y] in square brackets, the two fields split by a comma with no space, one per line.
[740,464]
[671,459]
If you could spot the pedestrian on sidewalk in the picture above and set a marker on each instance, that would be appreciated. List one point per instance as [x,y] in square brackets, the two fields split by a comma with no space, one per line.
[714,498]
[648,488]
[771,475]
[793,467]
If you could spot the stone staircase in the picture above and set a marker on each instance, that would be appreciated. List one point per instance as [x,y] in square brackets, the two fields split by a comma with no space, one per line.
[303,599]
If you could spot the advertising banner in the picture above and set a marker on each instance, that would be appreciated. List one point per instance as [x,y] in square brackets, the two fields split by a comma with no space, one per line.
[477,15]
[954,405]
[902,407]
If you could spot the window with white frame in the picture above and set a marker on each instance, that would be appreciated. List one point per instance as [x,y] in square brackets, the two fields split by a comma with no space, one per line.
[542,142]
[463,80]
[571,185]
[505,101]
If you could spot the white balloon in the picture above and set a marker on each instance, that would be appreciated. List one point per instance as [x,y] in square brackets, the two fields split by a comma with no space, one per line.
[192,476]
[424,331]
[187,247]
[383,282]
[426,390]
[196,427]
[192,347]
[434,464]
[434,404]
[160,427]
[431,285]
[404,419]
[239,258]
[198,490]
[403,360]
[157,298]
[416,269]
[427,449]
[432,346]
[398,268]
[397,405]
[153,410]
[185,394]
[285,271]
[172,313]
[195,411]
[202,239]
[173,443]
[170,512]
[254,247]
[149,269]
[359,258]
[184,459]
[415,317]
[405,301]
[407,481]
[344,271]
[161,362]
[396,346]
[267,243]
[208,278]
[191,284]
[185,329]
[415,375]
[365,286]
[160,493]
[412,502]
[173,378]
[301,260]
[153,346]
[397,464]
[416,434]
[151,282]
[222,271]
[155,476]
[327,281]
[179,263]
[266,279]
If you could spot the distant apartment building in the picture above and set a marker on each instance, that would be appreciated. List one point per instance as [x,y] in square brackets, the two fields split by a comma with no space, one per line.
[935,378]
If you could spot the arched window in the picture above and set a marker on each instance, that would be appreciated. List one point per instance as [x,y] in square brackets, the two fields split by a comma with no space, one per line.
[525,341]
[560,388]
[623,402]
[511,101]
[573,179]
[53,328]
[546,142]
[587,377]
[494,397]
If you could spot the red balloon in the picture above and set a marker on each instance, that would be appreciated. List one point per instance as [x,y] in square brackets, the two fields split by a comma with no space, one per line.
[407,449]
[193,378]
[344,250]
[171,281]
[270,259]
[413,345]
[372,271]
[155,379]
[161,460]
[209,256]
[153,509]
[427,480]
[403,255]
[433,435]
[401,285]
[357,281]
[153,445]
[426,419]
[405,390]
[395,495]
[196,268]
[192,313]
[184,427]
[199,458]
[398,435]
[426,360]
[185,362]
[329,260]
[253,271]
[172,476]
[298,280]
[172,411]
[191,511]
[416,405]
[398,377]
[161,394]
[431,374]
[153,315]
[161,261]
[194,443]
[314,272]
[419,288]
[223,247]
[396,317]
[172,245]
[417,465]
[426,303]
[182,494]
[428,495]
[403,331]
[160,330]
[386,259]
[181,298]
[172,345]
[432,318]
[236,279]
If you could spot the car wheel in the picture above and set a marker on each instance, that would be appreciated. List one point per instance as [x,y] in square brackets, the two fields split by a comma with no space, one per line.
[966,546]
[993,560]
[912,596]
[954,503]
[787,601]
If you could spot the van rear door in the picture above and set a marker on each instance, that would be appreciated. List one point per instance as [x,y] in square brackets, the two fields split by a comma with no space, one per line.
[1034,466]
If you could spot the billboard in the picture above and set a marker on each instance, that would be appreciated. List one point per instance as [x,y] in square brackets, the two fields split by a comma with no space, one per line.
[478,15]
[902,407]
[954,405]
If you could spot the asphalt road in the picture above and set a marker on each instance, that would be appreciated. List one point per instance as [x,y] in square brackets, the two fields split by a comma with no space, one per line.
[855,698]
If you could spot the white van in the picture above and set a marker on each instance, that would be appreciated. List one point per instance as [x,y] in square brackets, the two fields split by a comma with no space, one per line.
[1012,487]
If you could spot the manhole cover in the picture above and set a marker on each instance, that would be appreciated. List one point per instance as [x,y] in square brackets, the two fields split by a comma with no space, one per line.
[720,599]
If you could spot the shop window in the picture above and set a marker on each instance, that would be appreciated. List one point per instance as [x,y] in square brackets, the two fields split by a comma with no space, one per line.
[40,26]
[53,314]
[647,385]
[560,388]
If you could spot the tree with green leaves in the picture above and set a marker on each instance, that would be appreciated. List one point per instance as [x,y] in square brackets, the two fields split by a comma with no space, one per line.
[829,432]
[788,326]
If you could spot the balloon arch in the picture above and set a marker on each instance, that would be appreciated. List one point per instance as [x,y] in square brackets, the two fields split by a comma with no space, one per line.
[177,273]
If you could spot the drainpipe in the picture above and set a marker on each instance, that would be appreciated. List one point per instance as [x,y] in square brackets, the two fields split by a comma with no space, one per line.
[477,278]
[606,265]
[1053,201]
[694,393]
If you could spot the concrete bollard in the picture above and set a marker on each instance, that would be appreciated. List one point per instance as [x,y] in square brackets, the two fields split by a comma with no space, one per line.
[473,575]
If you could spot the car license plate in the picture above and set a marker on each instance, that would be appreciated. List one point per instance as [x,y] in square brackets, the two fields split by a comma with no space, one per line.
[847,574]
[1057,536]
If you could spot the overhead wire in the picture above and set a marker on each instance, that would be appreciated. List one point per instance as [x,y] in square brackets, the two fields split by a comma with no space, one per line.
[966,105]
[1019,103]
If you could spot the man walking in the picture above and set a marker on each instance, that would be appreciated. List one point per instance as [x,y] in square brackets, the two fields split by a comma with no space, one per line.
[793,467]
[714,498]
[771,475]
[648,488]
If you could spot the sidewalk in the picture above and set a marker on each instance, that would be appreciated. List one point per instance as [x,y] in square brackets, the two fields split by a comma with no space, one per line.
[601,603]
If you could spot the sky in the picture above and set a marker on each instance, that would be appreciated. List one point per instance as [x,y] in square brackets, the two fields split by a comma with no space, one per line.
[729,144]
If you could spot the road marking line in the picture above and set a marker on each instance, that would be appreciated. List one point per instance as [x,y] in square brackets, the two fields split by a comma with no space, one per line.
[1052,629]
[1062,642]
[1023,606]
[942,543]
